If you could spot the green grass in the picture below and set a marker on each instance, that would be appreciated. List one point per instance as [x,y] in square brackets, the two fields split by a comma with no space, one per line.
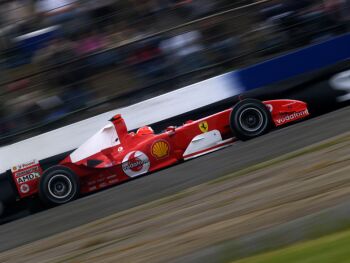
[333,248]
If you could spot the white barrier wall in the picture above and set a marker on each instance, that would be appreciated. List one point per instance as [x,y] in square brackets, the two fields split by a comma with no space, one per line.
[146,112]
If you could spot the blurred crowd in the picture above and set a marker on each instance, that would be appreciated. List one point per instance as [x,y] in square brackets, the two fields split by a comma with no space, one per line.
[59,56]
[298,23]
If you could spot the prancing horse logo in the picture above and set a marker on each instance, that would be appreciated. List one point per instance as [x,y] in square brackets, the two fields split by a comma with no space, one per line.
[203,126]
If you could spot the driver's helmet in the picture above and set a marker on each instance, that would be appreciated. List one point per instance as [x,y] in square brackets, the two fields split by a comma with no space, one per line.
[145,130]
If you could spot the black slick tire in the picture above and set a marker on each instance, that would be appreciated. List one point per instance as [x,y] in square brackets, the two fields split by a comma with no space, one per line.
[58,185]
[250,118]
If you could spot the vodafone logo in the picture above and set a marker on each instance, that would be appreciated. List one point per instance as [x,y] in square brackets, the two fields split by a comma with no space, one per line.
[135,163]
[293,116]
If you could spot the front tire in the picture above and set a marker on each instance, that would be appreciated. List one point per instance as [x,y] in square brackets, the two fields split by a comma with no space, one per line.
[250,118]
[58,185]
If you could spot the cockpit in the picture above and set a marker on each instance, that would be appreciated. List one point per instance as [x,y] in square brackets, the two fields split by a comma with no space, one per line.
[113,134]
[146,130]
[105,138]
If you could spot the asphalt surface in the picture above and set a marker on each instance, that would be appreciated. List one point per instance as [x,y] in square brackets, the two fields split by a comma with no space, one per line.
[173,180]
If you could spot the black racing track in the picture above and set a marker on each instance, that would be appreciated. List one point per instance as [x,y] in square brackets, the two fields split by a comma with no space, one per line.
[173,180]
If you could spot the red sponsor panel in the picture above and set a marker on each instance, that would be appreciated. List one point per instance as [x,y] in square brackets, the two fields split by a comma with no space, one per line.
[26,177]
[285,111]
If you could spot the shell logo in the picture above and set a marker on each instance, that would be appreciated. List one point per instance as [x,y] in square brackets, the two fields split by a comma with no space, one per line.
[160,149]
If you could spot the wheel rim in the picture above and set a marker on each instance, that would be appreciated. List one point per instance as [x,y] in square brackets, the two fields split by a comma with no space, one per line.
[60,186]
[251,119]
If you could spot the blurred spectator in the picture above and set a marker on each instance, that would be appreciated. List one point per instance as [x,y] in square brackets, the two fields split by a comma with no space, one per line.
[22,111]
[81,39]
[147,59]
[94,42]
[56,11]
[183,8]
[221,43]
[346,14]
[338,11]
[117,36]
[17,105]
[60,12]
[296,6]
[90,42]
[57,51]
[203,8]
[101,13]
[299,23]
[14,15]
[145,10]
[185,50]
[75,96]
[21,84]
[193,9]
[3,123]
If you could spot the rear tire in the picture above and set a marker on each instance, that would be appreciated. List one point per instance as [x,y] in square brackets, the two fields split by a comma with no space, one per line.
[250,118]
[58,185]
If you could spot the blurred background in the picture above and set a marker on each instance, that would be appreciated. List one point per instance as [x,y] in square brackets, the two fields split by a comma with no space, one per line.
[62,61]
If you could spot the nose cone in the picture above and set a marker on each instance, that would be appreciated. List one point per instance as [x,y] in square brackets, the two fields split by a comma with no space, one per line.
[299,105]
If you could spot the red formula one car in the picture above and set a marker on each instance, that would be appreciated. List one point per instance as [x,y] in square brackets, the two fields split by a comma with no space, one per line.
[113,155]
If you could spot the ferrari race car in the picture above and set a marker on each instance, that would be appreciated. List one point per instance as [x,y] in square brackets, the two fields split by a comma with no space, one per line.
[114,155]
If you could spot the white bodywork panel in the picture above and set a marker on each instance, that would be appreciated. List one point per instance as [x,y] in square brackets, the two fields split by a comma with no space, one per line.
[103,139]
[203,142]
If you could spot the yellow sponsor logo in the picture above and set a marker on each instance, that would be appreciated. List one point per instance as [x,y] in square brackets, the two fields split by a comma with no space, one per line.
[203,126]
[160,149]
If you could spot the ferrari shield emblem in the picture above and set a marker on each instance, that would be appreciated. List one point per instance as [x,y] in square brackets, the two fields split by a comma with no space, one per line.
[203,126]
